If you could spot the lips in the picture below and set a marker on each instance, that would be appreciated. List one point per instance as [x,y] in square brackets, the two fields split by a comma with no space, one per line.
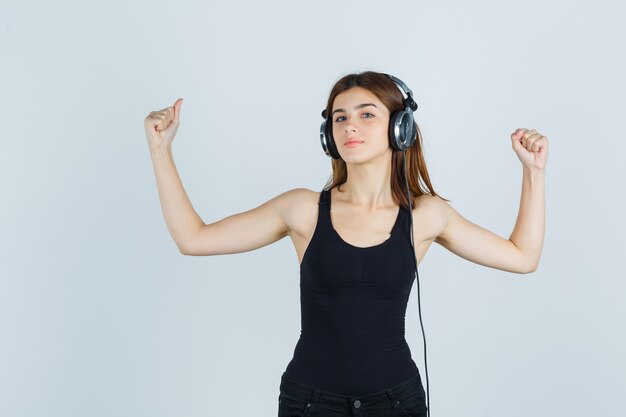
[352,140]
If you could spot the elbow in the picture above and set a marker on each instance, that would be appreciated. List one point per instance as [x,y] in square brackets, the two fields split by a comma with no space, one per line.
[531,268]
[184,250]
[527,264]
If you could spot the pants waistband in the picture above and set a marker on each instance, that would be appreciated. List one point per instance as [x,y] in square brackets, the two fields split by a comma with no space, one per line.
[314,395]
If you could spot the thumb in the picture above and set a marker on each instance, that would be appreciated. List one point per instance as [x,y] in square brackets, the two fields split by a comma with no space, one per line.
[515,140]
[177,105]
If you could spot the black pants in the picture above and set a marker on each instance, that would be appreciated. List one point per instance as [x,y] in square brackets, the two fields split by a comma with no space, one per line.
[404,399]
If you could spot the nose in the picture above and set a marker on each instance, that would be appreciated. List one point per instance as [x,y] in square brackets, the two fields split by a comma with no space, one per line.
[349,126]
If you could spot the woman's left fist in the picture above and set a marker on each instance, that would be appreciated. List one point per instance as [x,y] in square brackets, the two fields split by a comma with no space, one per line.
[531,147]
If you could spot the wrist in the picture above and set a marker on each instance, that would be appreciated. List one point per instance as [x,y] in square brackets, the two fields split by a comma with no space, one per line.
[160,151]
[533,171]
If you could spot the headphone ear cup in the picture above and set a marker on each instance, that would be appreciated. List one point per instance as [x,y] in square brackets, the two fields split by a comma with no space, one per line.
[402,130]
[334,152]
[327,140]
[413,132]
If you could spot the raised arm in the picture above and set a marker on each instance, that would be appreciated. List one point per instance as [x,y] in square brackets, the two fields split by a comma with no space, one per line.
[246,231]
[477,244]
[237,233]
[181,219]
[522,251]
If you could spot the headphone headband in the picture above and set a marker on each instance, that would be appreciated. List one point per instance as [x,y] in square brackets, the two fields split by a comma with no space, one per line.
[408,101]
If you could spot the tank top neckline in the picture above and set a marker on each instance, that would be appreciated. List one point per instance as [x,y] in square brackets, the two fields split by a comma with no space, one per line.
[330,223]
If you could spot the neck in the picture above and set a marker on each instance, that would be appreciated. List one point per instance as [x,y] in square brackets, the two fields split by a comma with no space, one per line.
[369,185]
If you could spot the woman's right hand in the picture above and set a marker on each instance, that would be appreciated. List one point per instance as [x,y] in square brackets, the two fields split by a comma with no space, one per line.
[161,126]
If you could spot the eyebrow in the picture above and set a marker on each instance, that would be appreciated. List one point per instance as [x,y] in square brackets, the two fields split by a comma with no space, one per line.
[358,106]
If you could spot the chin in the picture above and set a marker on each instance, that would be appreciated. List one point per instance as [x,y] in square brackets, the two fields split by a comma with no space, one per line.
[363,157]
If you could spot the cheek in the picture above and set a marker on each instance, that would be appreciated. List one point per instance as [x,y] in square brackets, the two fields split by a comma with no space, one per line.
[383,134]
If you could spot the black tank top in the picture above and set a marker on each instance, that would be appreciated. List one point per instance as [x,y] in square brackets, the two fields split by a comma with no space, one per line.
[353,303]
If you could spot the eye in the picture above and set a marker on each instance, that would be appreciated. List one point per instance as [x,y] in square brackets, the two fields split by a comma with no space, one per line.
[337,119]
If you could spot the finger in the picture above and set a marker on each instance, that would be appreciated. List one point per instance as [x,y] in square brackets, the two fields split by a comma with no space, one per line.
[166,110]
[517,140]
[522,137]
[529,133]
[171,113]
[155,120]
[167,113]
[536,144]
[519,133]
[533,137]
[176,107]
[528,136]
[158,125]
[160,122]
[540,143]
[165,118]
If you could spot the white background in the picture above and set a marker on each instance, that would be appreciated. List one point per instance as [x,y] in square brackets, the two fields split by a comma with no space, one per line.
[100,315]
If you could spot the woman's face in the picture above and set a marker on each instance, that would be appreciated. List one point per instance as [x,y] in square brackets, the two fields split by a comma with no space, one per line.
[359,116]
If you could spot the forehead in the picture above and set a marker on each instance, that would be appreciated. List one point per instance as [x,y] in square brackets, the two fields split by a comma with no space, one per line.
[356,95]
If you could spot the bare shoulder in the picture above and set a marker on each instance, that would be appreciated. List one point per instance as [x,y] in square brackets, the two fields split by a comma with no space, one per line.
[430,202]
[442,214]
[298,208]
[295,198]
[302,193]
[433,213]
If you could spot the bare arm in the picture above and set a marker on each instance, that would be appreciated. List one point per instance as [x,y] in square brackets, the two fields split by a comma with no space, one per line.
[529,228]
[520,253]
[181,218]
[477,244]
[249,230]
[237,233]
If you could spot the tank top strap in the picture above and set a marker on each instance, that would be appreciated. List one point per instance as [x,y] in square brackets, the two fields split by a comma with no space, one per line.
[324,208]
[325,198]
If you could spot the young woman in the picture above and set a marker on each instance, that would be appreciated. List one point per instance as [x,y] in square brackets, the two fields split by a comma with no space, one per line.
[356,246]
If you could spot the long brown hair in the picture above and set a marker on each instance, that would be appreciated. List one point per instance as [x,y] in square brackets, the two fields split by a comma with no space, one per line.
[390,95]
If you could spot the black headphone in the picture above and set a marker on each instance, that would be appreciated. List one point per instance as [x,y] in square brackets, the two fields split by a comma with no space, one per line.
[402,126]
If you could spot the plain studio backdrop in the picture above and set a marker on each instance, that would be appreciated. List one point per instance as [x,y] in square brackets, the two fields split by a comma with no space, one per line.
[101,316]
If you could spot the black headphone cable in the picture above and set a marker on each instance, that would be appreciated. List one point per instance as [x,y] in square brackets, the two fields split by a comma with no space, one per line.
[418,282]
